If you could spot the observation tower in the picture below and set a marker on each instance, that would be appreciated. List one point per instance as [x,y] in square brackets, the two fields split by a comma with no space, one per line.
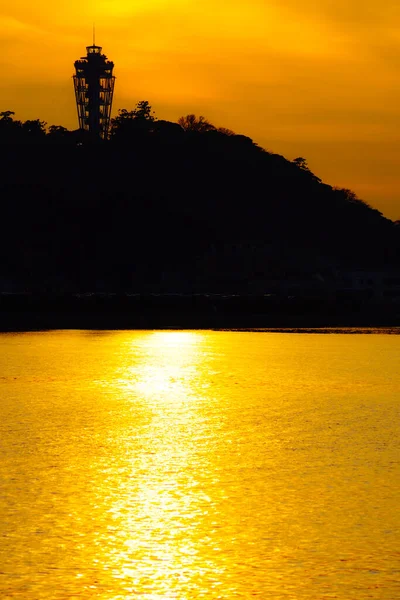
[94,87]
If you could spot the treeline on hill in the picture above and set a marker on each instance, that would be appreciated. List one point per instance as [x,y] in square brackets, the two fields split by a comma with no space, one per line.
[171,207]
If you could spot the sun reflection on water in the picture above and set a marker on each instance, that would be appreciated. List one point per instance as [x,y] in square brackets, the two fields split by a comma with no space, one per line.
[161,505]
[169,367]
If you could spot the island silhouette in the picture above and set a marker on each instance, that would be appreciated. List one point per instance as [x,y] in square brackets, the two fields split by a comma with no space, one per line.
[190,209]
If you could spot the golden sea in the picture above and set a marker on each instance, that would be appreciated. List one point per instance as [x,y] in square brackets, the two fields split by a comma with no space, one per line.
[199,465]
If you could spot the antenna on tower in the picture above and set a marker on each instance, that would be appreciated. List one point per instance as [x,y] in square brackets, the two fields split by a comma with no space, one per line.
[94,34]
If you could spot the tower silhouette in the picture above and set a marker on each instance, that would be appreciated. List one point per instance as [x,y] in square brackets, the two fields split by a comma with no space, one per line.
[94,88]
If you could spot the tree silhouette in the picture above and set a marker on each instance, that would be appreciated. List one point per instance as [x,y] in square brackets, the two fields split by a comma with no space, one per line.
[6,116]
[226,131]
[57,134]
[57,130]
[143,110]
[350,196]
[127,123]
[193,123]
[34,130]
[10,129]
[301,163]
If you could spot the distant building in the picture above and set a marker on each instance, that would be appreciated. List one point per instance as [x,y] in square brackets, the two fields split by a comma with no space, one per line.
[94,88]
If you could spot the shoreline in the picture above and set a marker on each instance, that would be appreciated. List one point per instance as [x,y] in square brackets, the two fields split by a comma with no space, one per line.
[30,312]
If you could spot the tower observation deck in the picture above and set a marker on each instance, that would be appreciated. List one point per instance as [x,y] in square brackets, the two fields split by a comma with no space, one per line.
[94,88]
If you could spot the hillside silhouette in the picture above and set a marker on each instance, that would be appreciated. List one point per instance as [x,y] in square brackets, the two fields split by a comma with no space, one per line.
[173,208]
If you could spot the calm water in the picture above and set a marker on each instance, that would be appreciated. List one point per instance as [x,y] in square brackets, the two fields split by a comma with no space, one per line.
[163,465]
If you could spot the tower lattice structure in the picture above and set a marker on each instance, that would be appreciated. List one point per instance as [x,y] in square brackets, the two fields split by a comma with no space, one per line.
[94,88]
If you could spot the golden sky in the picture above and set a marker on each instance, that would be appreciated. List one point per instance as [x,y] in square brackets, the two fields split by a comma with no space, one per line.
[317,78]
